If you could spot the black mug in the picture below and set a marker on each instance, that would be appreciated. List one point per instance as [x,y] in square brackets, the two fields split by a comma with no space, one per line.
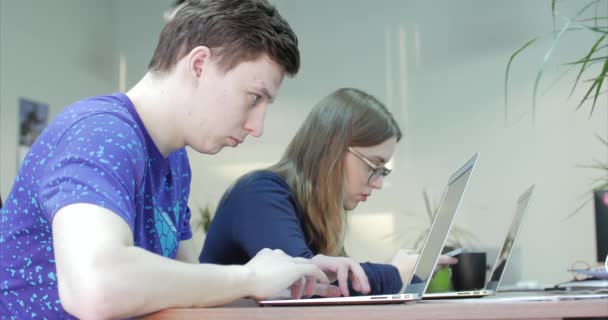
[470,271]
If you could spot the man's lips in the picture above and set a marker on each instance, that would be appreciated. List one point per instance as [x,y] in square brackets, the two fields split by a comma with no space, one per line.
[235,141]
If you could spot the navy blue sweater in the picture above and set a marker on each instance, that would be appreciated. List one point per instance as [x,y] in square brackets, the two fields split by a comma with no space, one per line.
[261,211]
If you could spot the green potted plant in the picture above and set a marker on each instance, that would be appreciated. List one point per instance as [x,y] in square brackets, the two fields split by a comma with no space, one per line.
[593,56]
[199,223]
[592,69]
[458,237]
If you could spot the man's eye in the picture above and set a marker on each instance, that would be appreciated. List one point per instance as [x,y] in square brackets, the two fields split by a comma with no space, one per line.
[254,99]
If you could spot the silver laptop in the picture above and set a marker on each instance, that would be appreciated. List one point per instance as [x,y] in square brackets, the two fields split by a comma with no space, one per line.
[523,202]
[425,265]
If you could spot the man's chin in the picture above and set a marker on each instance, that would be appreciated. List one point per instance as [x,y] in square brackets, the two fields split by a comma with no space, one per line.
[210,149]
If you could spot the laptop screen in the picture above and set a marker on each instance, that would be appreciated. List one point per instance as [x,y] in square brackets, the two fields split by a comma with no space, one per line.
[441,226]
[505,252]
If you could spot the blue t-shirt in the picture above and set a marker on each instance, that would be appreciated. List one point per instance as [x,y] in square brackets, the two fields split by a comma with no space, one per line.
[96,151]
[261,211]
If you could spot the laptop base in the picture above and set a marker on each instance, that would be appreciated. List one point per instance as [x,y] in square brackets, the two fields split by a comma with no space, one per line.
[340,301]
[458,294]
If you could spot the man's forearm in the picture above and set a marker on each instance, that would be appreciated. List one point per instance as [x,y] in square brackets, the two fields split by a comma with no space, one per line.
[134,282]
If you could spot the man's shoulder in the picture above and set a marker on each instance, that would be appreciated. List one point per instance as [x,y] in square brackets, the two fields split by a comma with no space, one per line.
[111,102]
[100,116]
[115,105]
[97,128]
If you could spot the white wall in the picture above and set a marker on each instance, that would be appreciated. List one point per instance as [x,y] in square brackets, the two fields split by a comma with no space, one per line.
[439,66]
[136,29]
[54,52]
[444,81]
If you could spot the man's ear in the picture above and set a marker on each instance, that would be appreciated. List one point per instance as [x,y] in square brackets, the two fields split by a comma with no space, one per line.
[198,60]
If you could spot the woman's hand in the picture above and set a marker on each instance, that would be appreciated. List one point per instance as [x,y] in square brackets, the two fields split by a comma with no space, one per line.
[445,261]
[405,262]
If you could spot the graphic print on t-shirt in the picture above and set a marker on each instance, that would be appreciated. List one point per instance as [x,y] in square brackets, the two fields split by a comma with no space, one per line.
[166,232]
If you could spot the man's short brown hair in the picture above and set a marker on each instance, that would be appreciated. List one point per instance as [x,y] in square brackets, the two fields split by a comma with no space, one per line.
[235,30]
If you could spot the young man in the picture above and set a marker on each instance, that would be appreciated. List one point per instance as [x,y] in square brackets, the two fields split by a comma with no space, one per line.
[97,224]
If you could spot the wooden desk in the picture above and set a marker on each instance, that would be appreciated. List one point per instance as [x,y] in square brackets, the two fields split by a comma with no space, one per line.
[455,309]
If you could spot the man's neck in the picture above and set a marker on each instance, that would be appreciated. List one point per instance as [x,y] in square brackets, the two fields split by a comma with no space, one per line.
[155,102]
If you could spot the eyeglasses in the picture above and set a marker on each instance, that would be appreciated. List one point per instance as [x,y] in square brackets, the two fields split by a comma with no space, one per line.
[377,171]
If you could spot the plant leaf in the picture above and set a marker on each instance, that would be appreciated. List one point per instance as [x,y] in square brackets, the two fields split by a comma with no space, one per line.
[595,19]
[507,74]
[600,80]
[586,61]
[553,3]
[589,61]
[557,80]
[594,29]
[604,141]
[595,14]
[548,55]
[430,211]
[578,209]
[597,84]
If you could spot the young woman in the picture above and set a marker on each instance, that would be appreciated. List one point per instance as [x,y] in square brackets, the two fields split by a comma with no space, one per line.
[299,205]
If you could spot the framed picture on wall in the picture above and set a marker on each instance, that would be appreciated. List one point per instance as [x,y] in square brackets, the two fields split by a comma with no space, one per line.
[33,118]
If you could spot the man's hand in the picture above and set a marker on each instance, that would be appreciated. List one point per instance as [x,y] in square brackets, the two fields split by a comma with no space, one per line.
[342,269]
[273,270]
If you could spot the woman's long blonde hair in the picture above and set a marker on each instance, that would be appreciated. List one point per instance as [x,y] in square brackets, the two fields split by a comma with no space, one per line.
[313,163]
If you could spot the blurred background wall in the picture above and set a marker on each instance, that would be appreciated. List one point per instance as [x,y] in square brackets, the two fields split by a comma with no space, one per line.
[439,65]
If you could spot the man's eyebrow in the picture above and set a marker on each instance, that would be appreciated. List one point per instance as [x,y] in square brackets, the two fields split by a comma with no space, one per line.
[264,91]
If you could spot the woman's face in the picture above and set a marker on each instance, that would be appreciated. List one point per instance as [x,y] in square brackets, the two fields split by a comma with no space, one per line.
[364,170]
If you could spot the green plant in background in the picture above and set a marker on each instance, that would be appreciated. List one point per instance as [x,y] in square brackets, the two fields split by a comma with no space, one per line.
[600,183]
[201,219]
[458,238]
[592,79]
[593,56]
[206,217]
[199,223]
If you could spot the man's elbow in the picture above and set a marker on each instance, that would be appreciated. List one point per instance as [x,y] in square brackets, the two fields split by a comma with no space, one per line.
[87,299]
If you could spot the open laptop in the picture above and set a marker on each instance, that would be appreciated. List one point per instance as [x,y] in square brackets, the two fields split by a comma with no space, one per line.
[425,265]
[491,286]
